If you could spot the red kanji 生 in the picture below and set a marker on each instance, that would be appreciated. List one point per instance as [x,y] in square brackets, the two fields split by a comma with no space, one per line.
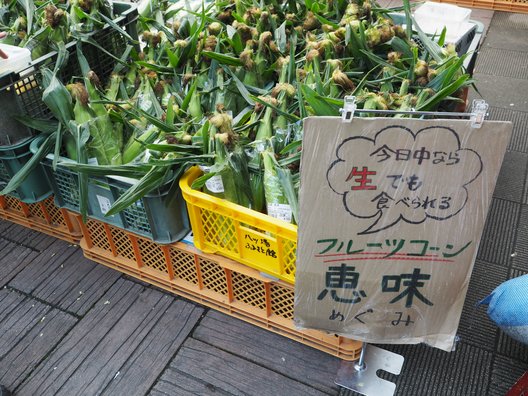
[361,178]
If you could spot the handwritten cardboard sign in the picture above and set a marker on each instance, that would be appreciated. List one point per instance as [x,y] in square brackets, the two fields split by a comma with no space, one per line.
[392,211]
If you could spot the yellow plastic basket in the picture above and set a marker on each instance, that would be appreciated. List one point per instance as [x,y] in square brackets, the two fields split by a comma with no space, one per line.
[249,237]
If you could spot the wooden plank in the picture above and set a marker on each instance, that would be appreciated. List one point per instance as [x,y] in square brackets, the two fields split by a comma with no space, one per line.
[144,366]
[233,374]
[28,237]
[42,266]
[15,311]
[174,382]
[4,226]
[14,259]
[270,350]
[29,330]
[113,342]
[75,284]
[5,244]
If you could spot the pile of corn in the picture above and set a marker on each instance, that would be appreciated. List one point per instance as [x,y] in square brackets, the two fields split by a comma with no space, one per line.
[226,86]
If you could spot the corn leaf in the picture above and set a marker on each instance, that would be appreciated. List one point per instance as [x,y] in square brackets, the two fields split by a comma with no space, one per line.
[432,48]
[223,58]
[445,77]
[295,158]
[245,127]
[443,93]
[290,147]
[353,42]
[325,21]
[81,134]
[29,7]
[174,59]
[171,114]
[89,40]
[163,126]
[319,106]
[291,65]
[152,180]
[408,19]
[333,101]
[173,148]
[302,109]
[291,117]
[124,56]
[377,60]
[62,55]
[156,68]
[118,28]
[182,160]
[33,162]
[242,117]
[402,46]
[286,182]
[200,181]
[441,39]
[57,97]
[234,39]
[159,26]
[134,171]
[240,86]
[45,126]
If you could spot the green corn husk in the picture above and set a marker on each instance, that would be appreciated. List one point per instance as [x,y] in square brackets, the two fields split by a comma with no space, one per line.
[59,101]
[136,145]
[105,143]
[276,201]
[239,173]
[256,181]
[57,97]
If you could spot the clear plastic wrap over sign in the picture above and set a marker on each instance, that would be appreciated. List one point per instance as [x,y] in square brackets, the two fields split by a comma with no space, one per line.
[391,216]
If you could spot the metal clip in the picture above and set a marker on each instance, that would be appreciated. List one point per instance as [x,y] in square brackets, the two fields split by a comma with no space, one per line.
[348,110]
[479,111]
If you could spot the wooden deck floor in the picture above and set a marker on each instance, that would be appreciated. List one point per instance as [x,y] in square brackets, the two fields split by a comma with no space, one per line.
[70,326]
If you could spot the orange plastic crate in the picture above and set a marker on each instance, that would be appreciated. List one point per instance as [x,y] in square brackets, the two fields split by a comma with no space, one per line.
[211,280]
[511,6]
[42,216]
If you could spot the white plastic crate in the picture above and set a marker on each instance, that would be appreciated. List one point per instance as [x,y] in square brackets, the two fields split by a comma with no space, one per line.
[433,17]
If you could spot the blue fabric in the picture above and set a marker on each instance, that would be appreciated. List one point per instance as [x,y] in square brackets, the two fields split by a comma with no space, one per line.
[508,307]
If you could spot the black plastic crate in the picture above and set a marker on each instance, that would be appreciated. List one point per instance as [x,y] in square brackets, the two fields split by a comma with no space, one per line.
[21,93]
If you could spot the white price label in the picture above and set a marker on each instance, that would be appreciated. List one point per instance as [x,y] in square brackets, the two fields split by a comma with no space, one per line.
[280,211]
[215,185]
[104,204]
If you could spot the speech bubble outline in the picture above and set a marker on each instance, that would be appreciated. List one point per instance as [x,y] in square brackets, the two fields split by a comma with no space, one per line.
[379,214]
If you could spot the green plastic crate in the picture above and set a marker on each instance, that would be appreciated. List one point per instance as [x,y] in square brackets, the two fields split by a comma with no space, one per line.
[160,215]
[35,187]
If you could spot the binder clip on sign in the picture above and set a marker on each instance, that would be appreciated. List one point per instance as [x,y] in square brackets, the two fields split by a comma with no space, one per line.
[349,108]
[479,111]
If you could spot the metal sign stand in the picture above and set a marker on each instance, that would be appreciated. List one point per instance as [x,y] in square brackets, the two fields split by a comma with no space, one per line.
[361,376]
